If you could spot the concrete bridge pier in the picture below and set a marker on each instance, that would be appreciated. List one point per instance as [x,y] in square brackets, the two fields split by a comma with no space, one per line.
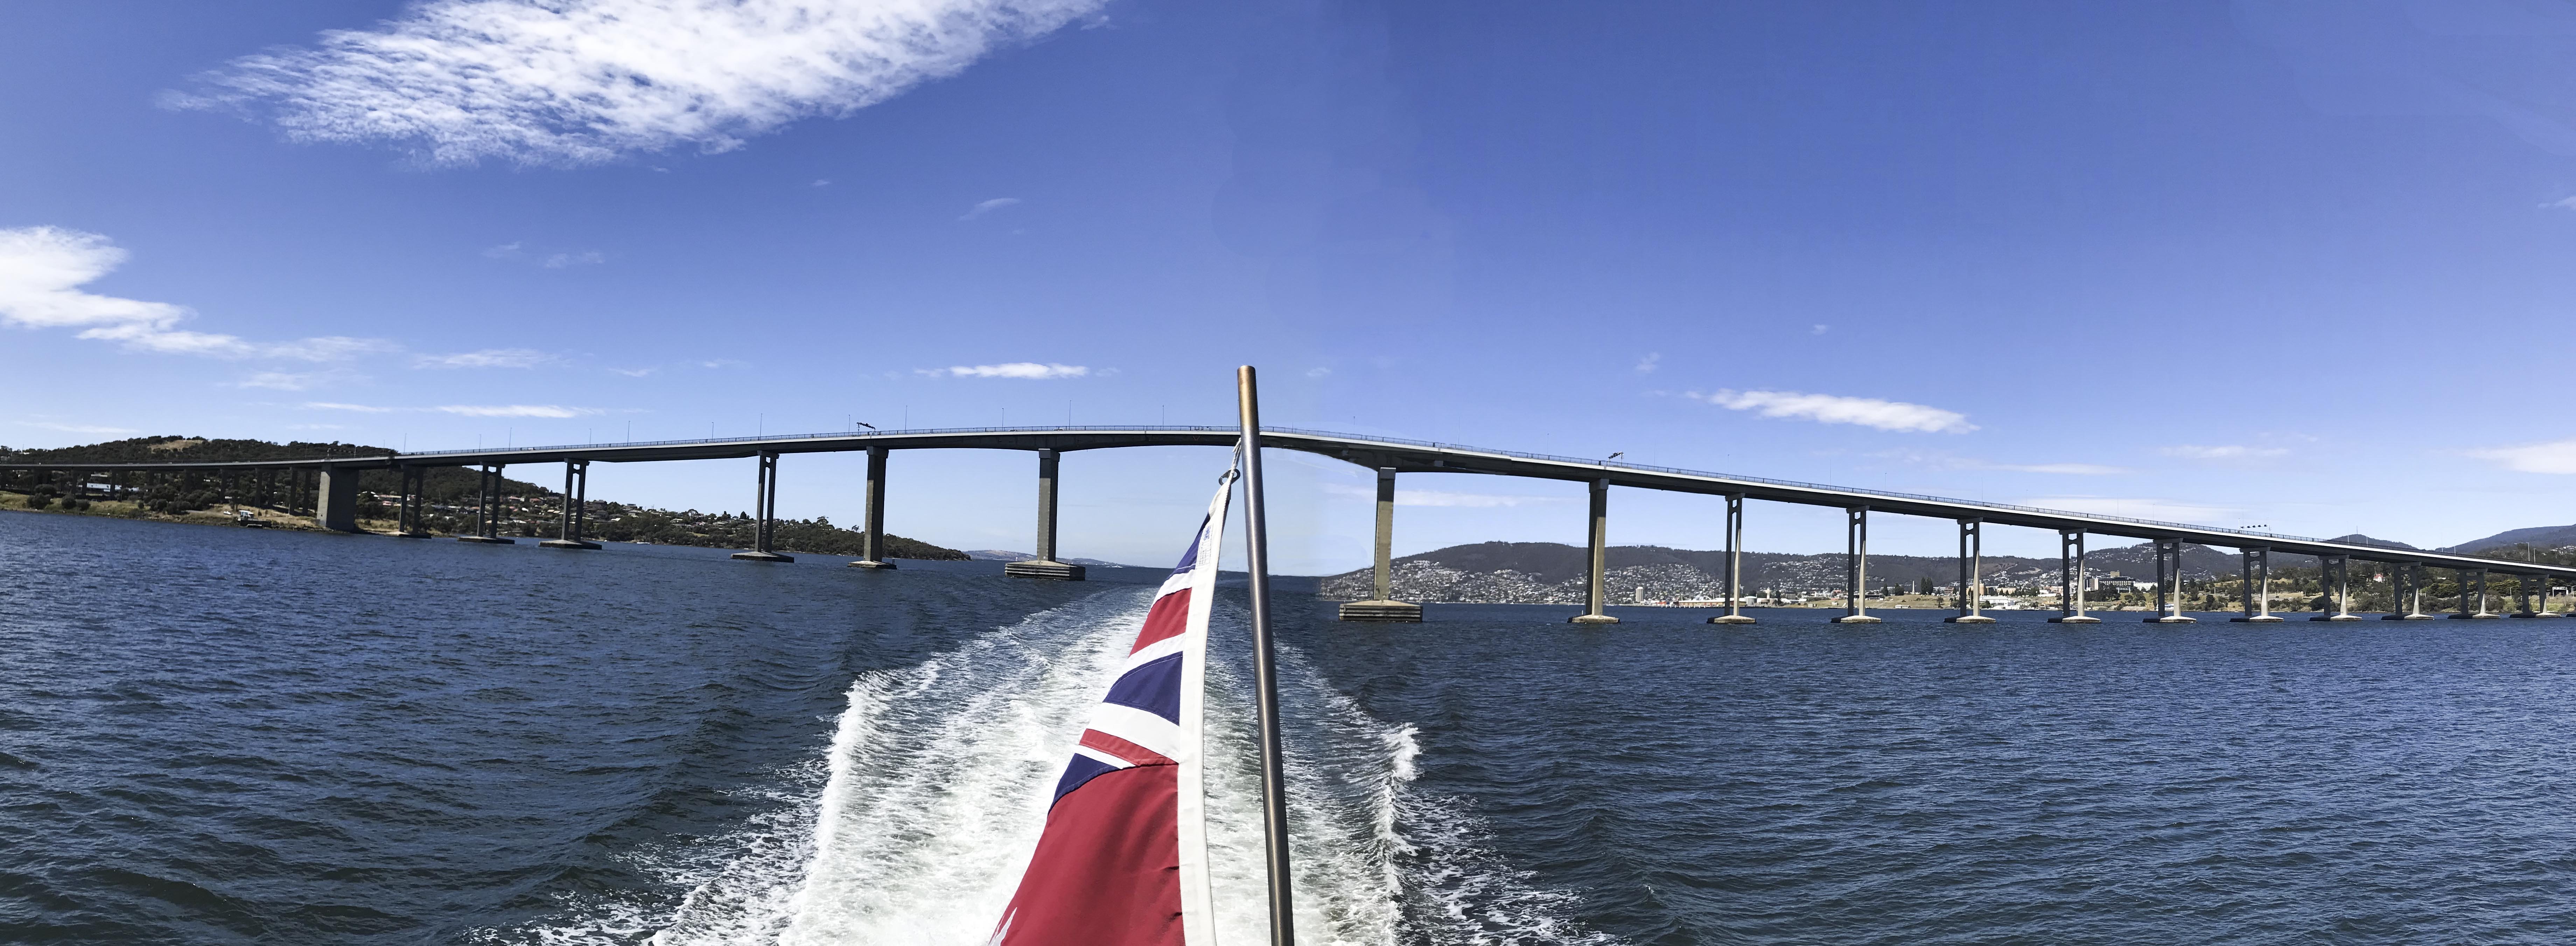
[2070,579]
[872,544]
[2256,561]
[335,504]
[1856,567]
[2529,589]
[765,515]
[1383,607]
[2410,594]
[1734,563]
[407,508]
[1972,555]
[2338,570]
[1045,565]
[2480,612]
[487,509]
[2169,584]
[576,511]
[1594,593]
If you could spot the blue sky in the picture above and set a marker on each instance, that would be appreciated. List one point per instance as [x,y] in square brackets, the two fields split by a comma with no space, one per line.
[2302,265]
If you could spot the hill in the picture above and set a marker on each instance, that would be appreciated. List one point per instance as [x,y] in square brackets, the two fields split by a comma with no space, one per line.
[2540,537]
[1552,573]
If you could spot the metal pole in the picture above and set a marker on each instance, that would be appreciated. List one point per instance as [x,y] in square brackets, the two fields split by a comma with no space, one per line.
[1274,782]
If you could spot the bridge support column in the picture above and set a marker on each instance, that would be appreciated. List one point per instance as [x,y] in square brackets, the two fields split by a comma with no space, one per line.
[1856,567]
[765,518]
[487,509]
[2070,579]
[1594,593]
[2256,562]
[335,504]
[2410,594]
[576,500]
[1734,563]
[1972,555]
[2169,584]
[872,545]
[2337,569]
[414,498]
[1384,607]
[1045,565]
[2473,604]
[2540,598]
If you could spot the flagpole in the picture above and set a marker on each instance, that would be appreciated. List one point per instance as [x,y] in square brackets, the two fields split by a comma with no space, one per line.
[1274,786]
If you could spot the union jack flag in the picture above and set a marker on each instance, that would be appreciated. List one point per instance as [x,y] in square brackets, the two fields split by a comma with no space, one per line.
[1123,859]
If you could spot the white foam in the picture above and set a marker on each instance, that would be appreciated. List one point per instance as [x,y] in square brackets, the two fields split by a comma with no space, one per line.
[914,825]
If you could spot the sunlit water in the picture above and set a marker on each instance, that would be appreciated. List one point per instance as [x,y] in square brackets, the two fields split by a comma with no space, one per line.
[213,735]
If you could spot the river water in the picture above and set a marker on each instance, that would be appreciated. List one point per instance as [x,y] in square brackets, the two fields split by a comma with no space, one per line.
[215,735]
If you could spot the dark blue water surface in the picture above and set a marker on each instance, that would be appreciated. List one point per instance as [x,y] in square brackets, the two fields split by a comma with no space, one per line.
[216,735]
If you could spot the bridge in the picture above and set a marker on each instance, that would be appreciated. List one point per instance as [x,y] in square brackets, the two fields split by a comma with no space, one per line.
[333,487]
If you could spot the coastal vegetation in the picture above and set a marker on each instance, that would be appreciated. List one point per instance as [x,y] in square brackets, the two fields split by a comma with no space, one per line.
[283,498]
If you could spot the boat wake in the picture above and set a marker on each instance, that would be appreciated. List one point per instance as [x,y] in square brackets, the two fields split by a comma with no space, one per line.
[915,824]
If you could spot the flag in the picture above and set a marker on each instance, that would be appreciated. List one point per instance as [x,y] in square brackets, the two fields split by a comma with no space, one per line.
[1123,858]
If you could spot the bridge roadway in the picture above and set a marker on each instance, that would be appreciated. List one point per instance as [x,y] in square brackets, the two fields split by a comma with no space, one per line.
[1392,457]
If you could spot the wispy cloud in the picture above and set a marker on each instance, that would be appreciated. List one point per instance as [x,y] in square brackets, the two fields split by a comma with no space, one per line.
[2159,509]
[1941,460]
[79,428]
[1319,372]
[487,358]
[1647,365]
[1819,329]
[299,381]
[635,372]
[571,82]
[989,206]
[2564,203]
[518,410]
[584,258]
[1833,409]
[1017,369]
[43,268]
[2557,456]
[360,408]
[1444,498]
[509,250]
[2223,452]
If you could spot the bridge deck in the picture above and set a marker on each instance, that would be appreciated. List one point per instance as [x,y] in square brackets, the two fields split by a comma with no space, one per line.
[1405,456]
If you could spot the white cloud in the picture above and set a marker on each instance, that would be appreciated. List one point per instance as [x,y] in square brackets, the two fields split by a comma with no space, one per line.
[504,251]
[2554,457]
[1940,460]
[299,381]
[2223,452]
[1647,364]
[988,207]
[79,428]
[518,410]
[42,268]
[1319,372]
[1819,329]
[635,372]
[586,258]
[360,408]
[487,358]
[1017,369]
[1831,409]
[2158,509]
[573,82]
[821,182]
[1444,498]
[2568,203]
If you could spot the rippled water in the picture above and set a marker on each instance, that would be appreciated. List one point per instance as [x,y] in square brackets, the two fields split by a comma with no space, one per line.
[213,735]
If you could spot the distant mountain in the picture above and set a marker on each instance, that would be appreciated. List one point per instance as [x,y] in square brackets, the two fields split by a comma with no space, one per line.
[2360,539]
[1006,555]
[2543,537]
